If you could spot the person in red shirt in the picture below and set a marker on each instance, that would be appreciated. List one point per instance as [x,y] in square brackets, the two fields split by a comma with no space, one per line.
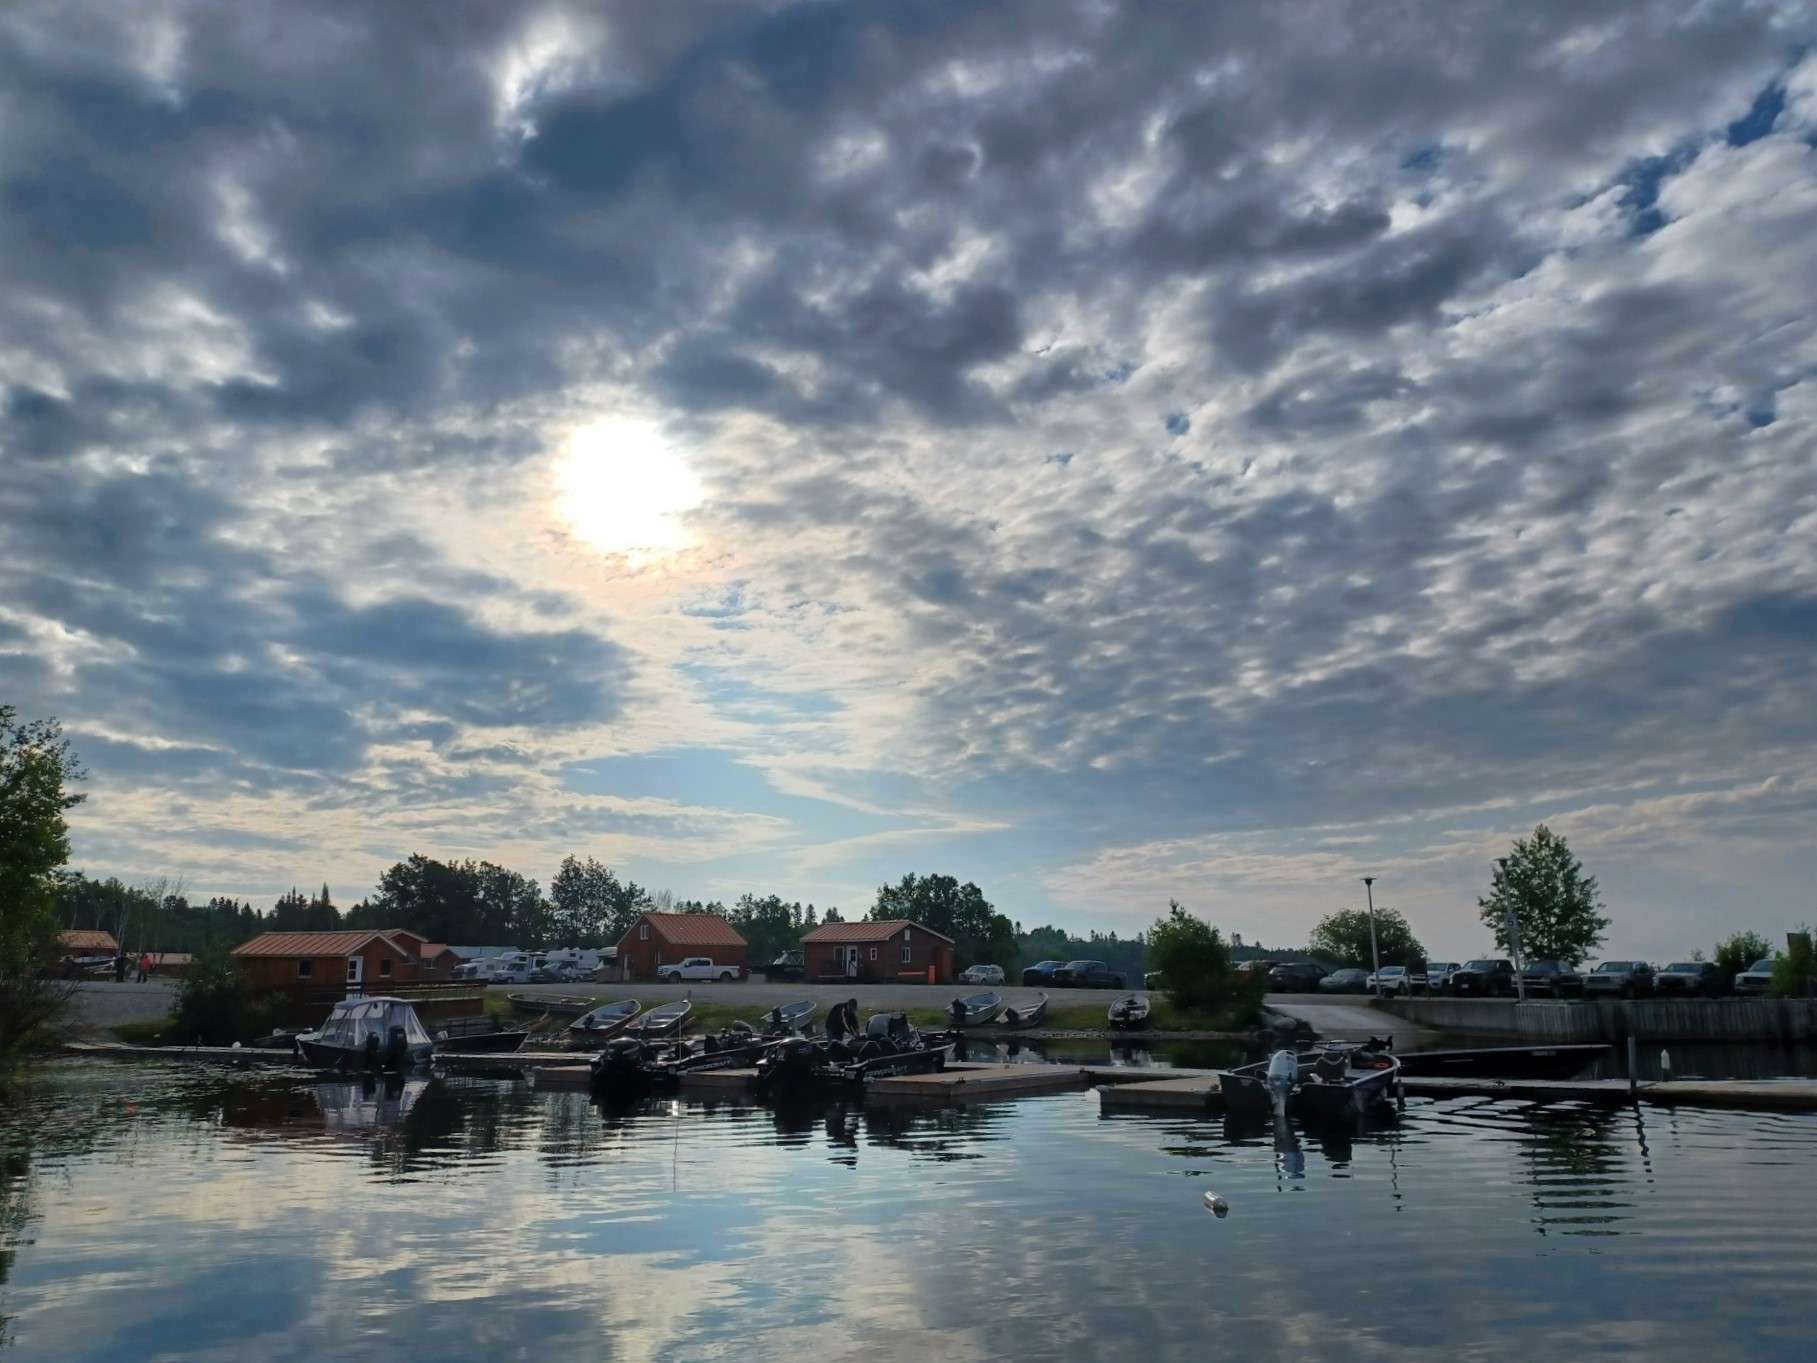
[144,967]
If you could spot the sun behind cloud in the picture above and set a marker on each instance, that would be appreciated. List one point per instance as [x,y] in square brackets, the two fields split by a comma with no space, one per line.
[624,489]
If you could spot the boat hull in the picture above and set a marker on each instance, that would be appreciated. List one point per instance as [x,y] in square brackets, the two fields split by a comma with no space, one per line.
[328,1057]
[484,1043]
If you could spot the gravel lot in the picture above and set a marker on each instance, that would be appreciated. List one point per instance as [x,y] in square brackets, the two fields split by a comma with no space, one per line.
[102,1003]
[762,995]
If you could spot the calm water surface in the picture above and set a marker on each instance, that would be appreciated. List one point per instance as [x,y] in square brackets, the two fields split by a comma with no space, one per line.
[165,1212]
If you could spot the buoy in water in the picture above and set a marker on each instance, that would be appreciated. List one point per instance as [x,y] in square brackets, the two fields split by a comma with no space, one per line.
[1216,1205]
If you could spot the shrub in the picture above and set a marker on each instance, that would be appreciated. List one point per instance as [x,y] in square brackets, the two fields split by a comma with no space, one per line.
[1794,969]
[1736,953]
[212,1006]
[1195,962]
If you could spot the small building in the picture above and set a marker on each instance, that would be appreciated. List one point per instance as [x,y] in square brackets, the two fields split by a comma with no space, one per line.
[170,964]
[317,966]
[657,939]
[891,949]
[437,959]
[88,942]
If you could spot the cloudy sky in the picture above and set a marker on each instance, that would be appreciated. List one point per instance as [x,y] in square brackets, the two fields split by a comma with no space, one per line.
[1109,452]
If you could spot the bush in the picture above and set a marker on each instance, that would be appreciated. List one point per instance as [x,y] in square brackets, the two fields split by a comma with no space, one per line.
[212,1006]
[1795,970]
[1195,962]
[1736,953]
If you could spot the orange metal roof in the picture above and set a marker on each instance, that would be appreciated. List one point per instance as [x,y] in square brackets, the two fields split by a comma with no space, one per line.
[313,943]
[89,939]
[878,931]
[688,930]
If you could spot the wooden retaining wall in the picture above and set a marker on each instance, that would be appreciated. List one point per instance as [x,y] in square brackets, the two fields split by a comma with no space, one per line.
[1740,1021]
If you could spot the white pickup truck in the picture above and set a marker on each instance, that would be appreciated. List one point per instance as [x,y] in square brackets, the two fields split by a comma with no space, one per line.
[696,968]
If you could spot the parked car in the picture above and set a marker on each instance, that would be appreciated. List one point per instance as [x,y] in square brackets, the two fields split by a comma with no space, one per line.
[1554,979]
[1487,978]
[1629,979]
[1438,975]
[1296,977]
[696,968]
[1152,980]
[514,969]
[1349,980]
[555,972]
[1757,978]
[791,965]
[1691,978]
[1395,979]
[1087,975]
[472,970]
[1043,972]
[981,974]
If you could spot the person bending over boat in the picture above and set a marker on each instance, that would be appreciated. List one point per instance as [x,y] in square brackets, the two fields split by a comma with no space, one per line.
[842,1027]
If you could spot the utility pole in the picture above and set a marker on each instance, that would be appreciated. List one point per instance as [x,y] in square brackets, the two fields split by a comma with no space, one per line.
[1375,956]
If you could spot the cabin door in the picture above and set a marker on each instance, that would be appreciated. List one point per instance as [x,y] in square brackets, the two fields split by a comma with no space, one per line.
[851,963]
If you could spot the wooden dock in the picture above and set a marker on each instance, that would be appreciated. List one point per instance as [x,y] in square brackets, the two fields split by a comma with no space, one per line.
[958,1085]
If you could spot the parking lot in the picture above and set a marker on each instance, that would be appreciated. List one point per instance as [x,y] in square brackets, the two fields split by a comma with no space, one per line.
[763,995]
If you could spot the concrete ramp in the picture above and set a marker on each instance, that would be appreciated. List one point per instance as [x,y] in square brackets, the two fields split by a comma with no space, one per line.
[1355,1022]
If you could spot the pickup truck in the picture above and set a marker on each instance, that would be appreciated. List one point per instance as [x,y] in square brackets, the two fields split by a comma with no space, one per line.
[1087,975]
[696,968]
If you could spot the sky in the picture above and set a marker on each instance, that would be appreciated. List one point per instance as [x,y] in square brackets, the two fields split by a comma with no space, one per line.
[1108,452]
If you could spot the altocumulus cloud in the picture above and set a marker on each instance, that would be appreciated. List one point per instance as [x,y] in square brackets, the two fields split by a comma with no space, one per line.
[1435,394]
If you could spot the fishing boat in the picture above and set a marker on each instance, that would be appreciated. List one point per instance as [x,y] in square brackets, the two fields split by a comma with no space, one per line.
[1128,1013]
[550,1004]
[476,1035]
[667,1020]
[891,1046]
[1026,1014]
[1505,1062]
[604,1022]
[631,1065]
[368,1033]
[1337,1080]
[974,1010]
[787,1018]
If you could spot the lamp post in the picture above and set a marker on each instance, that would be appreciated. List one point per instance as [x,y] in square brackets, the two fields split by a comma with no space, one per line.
[1375,956]
[1520,980]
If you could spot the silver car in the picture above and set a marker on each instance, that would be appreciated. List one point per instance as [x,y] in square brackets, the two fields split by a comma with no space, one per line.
[1438,975]
[1757,978]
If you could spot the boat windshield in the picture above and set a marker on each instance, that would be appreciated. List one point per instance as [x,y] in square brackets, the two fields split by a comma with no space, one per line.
[353,1020]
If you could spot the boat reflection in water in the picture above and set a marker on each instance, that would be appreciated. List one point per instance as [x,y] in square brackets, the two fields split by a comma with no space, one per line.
[370,1103]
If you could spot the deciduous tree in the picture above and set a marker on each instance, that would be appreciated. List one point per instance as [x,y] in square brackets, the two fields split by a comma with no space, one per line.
[1556,905]
[1344,936]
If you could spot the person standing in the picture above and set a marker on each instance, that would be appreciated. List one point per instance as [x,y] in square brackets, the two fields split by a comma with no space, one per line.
[120,966]
[144,967]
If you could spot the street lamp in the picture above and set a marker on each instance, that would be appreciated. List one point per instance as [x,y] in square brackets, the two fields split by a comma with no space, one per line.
[1520,980]
[1375,956]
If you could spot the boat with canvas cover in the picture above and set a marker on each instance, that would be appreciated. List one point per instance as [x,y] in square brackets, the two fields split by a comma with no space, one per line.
[368,1034]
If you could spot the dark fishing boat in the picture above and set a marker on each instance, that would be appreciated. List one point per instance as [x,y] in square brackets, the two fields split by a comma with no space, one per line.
[534,1004]
[1128,1013]
[975,1010]
[667,1020]
[368,1034]
[1335,1081]
[1026,1014]
[630,1065]
[604,1022]
[477,1035]
[890,1046]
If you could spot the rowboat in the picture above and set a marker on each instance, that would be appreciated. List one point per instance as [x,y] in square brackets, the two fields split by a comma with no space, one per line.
[555,1007]
[785,1018]
[974,1010]
[479,1040]
[1128,1013]
[1027,1014]
[1338,1080]
[604,1022]
[668,1020]
[368,1033]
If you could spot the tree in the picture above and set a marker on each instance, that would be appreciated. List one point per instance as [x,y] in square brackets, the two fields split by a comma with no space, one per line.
[1795,968]
[36,770]
[770,925]
[980,934]
[1195,963]
[472,902]
[1736,952]
[1344,936]
[1555,904]
[590,906]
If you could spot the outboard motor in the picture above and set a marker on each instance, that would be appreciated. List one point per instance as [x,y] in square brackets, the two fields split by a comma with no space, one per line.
[622,1058]
[787,1061]
[371,1050]
[397,1050]
[1283,1076]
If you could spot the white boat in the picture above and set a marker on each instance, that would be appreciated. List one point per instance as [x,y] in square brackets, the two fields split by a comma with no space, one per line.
[974,1010]
[368,1033]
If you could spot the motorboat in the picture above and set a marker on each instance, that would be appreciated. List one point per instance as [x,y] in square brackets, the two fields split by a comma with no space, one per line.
[476,1035]
[787,1018]
[368,1033]
[550,1005]
[890,1046]
[1336,1080]
[975,1010]
[1026,1014]
[630,1064]
[604,1022]
[1128,1013]
[667,1020]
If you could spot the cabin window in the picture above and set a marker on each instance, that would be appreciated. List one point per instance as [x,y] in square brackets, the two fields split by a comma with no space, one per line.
[384,969]
[873,953]
[305,969]
[643,932]
[908,953]
[907,933]
[353,967]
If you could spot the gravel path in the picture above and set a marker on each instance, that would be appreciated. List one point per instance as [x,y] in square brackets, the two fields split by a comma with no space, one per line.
[103,1004]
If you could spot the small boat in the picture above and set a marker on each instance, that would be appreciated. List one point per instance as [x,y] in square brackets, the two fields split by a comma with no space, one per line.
[629,1065]
[550,1004]
[604,1022]
[974,1010]
[477,1041]
[787,1018]
[1505,1062]
[1129,1013]
[890,1046]
[668,1020]
[1338,1080]
[1027,1014]
[368,1033]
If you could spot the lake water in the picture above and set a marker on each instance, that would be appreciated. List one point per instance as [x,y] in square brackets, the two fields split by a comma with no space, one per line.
[169,1212]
